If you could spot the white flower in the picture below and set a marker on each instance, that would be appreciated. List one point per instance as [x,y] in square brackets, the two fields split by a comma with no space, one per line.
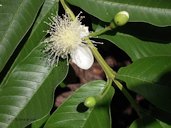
[66,38]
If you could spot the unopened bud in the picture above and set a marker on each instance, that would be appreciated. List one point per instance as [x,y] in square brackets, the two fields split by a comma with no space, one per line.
[90,102]
[121,18]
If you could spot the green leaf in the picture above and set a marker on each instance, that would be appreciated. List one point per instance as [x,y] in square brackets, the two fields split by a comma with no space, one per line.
[136,48]
[37,34]
[49,7]
[73,114]
[28,91]
[153,12]
[149,122]
[17,16]
[150,77]
[39,123]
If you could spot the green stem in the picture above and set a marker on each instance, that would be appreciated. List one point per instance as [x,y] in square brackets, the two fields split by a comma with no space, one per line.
[94,34]
[97,33]
[108,71]
[128,96]
[110,74]
[106,89]
[67,10]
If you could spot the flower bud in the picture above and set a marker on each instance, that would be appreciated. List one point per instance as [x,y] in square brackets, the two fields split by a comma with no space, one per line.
[82,57]
[121,18]
[90,102]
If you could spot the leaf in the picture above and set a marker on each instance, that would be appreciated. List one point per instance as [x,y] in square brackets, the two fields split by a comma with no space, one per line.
[17,16]
[39,123]
[73,114]
[154,12]
[149,122]
[136,48]
[150,77]
[37,34]
[27,95]
[49,7]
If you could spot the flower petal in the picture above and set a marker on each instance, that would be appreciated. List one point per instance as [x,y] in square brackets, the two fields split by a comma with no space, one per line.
[82,57]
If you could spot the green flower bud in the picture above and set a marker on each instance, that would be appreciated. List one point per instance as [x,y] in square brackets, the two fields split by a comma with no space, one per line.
[90,102]
[121,18]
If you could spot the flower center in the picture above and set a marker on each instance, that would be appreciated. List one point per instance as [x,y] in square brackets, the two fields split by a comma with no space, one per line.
[71,38]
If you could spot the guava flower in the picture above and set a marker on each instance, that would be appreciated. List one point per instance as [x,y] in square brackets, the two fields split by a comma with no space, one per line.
[66,40]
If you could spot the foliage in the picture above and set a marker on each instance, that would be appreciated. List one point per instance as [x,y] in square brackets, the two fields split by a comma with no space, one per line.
[27,82]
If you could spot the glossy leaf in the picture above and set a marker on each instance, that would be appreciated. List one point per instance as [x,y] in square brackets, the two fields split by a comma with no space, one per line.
[37,34]
[150,77]
[39,123]
[28,91]
[73,114]
[149,122]
[17,17]
[136,48]
[153,12]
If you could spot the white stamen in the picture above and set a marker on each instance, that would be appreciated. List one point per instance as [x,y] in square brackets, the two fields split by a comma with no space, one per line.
[66,38]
